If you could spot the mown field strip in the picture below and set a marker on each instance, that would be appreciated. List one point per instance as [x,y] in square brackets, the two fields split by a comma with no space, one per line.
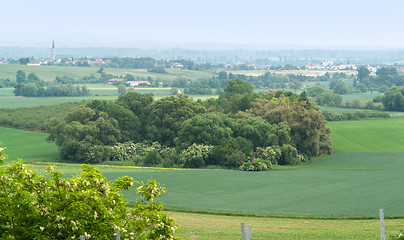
[214,227]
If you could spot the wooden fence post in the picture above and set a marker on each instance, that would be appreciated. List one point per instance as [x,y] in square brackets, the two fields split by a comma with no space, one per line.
[382,224]
[242,231]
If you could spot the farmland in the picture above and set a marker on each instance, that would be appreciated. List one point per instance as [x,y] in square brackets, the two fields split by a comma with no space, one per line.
[49,73]
[339,185]
[313,199]
[317,199]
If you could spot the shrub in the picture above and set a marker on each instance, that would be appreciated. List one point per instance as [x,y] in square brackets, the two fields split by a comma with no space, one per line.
[152,158]
[271,154]
[255,166]
[235,159]
[123,151]
[398,236]
[195,155]
[289,155]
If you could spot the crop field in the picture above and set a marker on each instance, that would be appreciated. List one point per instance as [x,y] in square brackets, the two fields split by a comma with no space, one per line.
[381,135]
[363,97]
[30,146]
[97,91]
[49,73]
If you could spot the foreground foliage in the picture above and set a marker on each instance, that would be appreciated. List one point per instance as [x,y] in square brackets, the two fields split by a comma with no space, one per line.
[53,207]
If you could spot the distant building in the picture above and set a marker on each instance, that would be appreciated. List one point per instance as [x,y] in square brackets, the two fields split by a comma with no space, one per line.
[53,53]
[114,80]
[137,83]
[177,65]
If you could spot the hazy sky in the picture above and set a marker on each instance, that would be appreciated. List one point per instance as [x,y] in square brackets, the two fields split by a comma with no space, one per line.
[129,23]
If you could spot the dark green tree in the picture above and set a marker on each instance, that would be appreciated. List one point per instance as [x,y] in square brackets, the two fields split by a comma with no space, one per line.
[21,77]
[207,129]
[167,115]
[29,90]
[122,89]
[363,72]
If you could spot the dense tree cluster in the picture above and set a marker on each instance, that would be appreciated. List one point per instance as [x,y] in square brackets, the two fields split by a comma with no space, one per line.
[385,77]
[393,99]
[171,131]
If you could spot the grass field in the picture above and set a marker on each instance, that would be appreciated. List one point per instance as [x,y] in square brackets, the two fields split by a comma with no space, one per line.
[213,227]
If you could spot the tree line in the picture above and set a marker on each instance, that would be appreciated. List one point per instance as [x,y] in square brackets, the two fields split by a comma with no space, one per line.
[32,86]
[177,131]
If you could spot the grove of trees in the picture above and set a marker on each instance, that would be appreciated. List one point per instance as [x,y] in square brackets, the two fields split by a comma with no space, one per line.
[32,86]
[177,131]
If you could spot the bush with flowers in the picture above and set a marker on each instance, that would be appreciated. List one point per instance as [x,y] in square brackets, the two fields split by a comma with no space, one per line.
[53,207]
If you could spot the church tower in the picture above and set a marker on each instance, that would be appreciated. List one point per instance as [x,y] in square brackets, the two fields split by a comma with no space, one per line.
[53,53]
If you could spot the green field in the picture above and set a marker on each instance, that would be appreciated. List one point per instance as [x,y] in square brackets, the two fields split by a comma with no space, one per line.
[49,73]
[385,135]
[30,146]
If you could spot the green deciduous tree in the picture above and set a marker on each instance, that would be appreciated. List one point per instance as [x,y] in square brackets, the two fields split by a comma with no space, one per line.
[208,129]
[363,72]
[84,136]
[21,77]
[167,115]
[329,99]
[315,91]
[53,207]
[29,90]
[308,129]
[122,89]
[261,133]
[237,96]
[393,99]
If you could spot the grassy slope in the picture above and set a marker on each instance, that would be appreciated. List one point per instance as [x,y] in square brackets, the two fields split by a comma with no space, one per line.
[30,146]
